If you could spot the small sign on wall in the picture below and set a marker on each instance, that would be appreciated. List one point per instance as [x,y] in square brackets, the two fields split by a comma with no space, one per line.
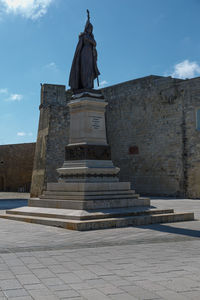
[133,150]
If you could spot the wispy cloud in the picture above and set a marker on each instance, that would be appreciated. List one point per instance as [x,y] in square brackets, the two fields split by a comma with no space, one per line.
[102,84]
[14,97]
[51,65]
[3,91]
[7,96]
[186,69]
[22,133]
[31,9]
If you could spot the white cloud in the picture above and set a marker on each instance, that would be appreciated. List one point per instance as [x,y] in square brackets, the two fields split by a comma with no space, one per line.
[14,97]
[9,97]
[3,91]
[186,69]
[102,84]
[51,66]
[21,134]
[31,9]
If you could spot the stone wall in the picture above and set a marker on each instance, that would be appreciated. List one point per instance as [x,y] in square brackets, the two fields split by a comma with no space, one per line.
[151,127]
[191,141]
[16,165]
[144,127]
[52,137]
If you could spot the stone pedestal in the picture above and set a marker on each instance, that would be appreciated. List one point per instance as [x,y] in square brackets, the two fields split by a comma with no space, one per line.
[88,156]
[88,194]
[87,121]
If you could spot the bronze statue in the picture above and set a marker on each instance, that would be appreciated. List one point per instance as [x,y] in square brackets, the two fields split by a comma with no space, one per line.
[84,68]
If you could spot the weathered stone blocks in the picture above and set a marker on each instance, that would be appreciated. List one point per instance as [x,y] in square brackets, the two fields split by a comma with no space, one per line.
[156,115]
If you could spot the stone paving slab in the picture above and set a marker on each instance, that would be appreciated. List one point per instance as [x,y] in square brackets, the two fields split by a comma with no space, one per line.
[146,262]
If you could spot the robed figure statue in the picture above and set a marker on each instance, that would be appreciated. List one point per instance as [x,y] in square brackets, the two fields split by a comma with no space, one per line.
[84,68]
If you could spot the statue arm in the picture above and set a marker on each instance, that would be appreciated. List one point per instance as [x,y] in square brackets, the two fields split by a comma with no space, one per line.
[91,41]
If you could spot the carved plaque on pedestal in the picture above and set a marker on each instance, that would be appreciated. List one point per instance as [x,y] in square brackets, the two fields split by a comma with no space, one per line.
[96,122]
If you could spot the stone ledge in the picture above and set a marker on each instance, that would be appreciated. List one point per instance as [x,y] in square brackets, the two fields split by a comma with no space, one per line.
[89,204]
[103,223]
[88,186]
[86,214]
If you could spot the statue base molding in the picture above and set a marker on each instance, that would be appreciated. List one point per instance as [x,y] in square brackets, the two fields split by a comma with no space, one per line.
[87,93]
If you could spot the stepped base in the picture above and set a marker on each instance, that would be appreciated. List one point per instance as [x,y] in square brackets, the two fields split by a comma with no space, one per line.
[85,214]
[87,196]
[87,205]
[90,206]
[92,220]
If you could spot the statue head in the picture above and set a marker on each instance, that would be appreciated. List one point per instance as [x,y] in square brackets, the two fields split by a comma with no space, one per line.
[88,25]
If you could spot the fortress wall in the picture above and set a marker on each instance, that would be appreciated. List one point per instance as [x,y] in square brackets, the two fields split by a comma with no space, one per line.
[144,128]
[150,127]
[16,165]
[191,140]
[52,137]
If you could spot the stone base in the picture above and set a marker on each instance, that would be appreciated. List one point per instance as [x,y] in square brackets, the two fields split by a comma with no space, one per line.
[90,206]
[87,220]
[87,196]
[88,171]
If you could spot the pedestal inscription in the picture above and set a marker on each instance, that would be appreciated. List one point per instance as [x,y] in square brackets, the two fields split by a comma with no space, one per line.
[87,117]
[96,122]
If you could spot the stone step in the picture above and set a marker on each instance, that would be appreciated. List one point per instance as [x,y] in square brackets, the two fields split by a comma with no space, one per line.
[87,197]
[88,193]
[89,204]
[104,223]
[88,186]
[85,215]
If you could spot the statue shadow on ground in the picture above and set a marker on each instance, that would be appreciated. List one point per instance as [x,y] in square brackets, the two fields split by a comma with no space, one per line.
[12,203]
[173,230]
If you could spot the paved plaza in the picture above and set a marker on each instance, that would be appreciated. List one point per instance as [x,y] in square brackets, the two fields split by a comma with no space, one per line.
[147,262]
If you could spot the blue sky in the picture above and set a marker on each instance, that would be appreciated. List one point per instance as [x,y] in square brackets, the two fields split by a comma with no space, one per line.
[135,38]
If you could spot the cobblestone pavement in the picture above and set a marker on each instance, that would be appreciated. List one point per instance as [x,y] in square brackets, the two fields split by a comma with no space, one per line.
[147,262]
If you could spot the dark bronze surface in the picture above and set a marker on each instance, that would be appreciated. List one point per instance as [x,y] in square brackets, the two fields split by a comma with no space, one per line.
[84,68]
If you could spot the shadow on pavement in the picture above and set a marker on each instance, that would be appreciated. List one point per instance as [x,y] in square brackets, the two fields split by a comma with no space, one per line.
[12,203]
[175,230]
